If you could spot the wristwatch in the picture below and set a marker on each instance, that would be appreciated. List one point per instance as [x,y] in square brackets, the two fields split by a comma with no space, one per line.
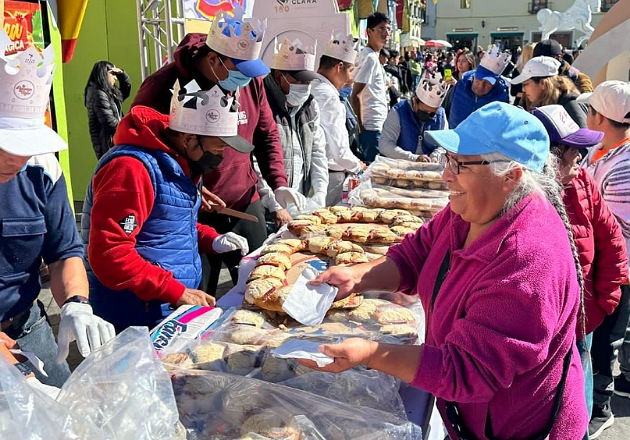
[76,299]
[24,368]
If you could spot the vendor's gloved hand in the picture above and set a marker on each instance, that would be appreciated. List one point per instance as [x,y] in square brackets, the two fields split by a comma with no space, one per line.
[285,195]
[318,200]
[78,323]
[230,242]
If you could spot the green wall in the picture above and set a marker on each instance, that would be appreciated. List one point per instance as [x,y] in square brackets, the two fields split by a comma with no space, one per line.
[109,32]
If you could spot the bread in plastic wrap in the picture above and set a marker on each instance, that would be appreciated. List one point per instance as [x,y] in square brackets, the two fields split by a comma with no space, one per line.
[218,405]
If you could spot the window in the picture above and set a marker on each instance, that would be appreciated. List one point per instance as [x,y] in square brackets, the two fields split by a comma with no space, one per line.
[607,4]
[464,4]
[537,5]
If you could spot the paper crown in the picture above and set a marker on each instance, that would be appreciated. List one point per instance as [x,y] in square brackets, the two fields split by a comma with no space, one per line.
[494,60]
[203,112]
[293,55]
[25,81]
[431,89]
[341,48]
[236,37]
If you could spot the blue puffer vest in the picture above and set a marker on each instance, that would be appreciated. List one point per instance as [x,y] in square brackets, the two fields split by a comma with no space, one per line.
[411,129]
[465,101]
[168,239]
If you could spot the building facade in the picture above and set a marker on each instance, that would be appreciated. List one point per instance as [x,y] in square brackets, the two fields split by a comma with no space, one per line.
[510,24]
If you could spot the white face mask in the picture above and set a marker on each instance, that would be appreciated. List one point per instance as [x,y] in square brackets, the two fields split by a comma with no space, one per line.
[298,94]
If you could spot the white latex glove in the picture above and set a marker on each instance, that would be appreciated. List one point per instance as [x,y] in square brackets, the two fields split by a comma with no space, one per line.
[319,200]
[78,323]
[285,195]
[230,242]
[49,390]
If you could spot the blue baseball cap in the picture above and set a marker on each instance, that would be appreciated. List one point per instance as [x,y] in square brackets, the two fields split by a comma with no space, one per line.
[498,128]
[486,74]
[251,68]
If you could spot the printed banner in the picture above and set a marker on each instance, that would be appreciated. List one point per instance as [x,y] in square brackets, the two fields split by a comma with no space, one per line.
[23,25]
[208,9]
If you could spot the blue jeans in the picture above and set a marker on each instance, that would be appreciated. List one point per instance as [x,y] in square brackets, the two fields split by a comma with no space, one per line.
[369,144]
[33,333]
[584,347]
[607,338]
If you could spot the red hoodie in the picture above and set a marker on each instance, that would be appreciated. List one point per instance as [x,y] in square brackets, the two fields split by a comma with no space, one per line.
[234,180]
[122,188]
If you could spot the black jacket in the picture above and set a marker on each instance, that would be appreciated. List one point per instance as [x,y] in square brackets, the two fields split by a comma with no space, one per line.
[104,113]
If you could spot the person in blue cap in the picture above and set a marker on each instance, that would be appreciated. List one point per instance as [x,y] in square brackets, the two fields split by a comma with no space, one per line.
[479,87]
[498,276]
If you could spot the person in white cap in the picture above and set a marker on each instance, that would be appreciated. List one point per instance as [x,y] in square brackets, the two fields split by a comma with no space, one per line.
[229,56]
[609,164]
[297,114]
[140,214]
[38,223]
[481,86]
[543,85]
[335,68]
[403,132]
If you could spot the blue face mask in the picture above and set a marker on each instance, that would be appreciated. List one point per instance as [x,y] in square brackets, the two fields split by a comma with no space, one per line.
[234,80]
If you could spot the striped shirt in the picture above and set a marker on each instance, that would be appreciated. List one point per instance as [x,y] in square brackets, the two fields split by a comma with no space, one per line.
[612,174]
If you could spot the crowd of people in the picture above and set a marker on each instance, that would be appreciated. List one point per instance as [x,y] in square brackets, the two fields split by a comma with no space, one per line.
[523,276]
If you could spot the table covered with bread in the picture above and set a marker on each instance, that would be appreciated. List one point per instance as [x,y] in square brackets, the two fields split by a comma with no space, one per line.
[235,380]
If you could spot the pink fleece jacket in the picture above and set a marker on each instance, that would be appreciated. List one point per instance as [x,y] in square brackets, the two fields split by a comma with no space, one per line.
[502,322]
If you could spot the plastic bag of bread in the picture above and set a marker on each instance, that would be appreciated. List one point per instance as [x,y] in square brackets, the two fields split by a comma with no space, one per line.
[215,405]
[410,184]
[404,169]
[359,386]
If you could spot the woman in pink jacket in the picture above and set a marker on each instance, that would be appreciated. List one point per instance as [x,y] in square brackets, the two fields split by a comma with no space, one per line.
[600,244]
[498,276]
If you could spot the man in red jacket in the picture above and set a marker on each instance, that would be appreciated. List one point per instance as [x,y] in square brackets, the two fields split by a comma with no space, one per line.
[219,58]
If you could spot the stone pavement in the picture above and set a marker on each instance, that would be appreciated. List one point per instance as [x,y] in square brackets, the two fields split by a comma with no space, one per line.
[621,406]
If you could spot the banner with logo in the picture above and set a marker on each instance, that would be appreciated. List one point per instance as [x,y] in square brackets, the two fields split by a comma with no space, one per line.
[23,25]
[208,9]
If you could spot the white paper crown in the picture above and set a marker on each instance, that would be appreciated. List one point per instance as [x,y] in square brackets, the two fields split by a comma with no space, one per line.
[342,48]
[203,112]
[25,81]
[236,37]
[293,55]
[494,60]
[431,89]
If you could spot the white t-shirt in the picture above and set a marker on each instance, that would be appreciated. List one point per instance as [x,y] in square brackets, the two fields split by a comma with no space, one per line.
[333,123]
[374,95]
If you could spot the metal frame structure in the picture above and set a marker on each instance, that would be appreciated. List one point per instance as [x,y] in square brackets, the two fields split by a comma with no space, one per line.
[160,28]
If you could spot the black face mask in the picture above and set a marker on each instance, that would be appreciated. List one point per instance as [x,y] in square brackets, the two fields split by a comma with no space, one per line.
[207,163]
[423,116]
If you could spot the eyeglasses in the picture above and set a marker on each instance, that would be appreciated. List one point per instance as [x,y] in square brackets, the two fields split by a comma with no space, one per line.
[383,29]
[455,166]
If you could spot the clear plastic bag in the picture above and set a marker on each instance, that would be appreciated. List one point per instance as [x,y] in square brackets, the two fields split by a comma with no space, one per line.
[124,391]
[357,387]
[223,406]
[421,202]
[28,414]
[120,392]
[385,167]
